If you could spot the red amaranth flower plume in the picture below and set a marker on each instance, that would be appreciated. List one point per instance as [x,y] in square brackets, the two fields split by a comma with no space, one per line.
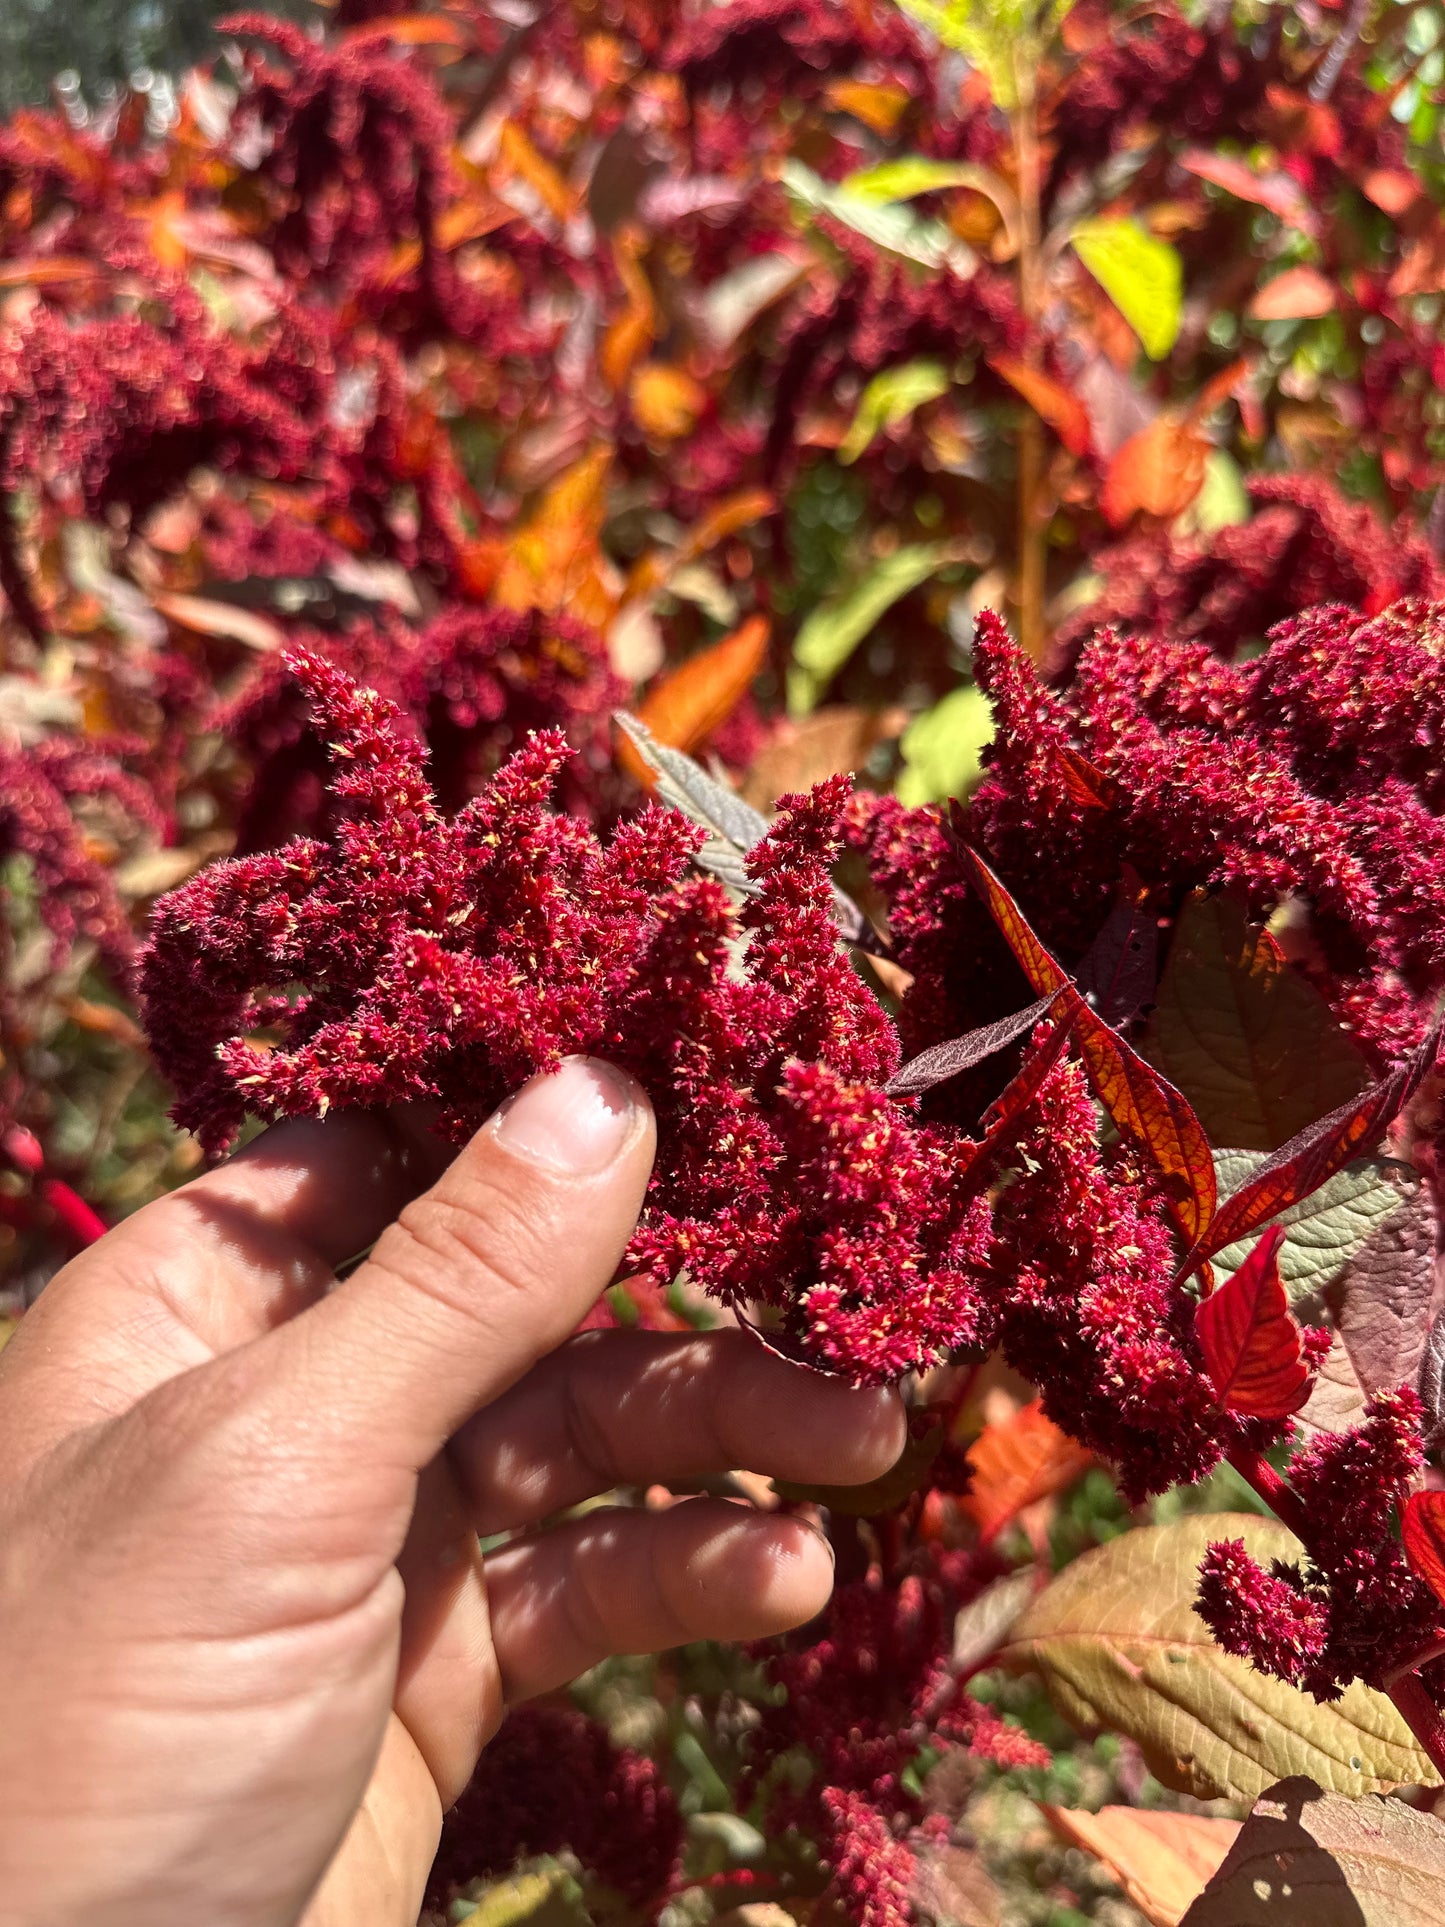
[553,1779]
[415,955]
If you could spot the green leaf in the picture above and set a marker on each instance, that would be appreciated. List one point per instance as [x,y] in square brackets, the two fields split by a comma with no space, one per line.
[885,224]
[914,174]
[889,399]
[834,630]
[1221,503]
[1325,1231]
[1141,275]
[943,748]
[993,34]
[1253,1047]
[1120,1646]
[1307,1858]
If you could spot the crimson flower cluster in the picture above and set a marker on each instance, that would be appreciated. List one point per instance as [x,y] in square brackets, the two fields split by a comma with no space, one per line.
[861,1703]
[411,955]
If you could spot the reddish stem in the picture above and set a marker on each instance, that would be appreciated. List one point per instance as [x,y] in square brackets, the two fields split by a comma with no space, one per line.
[1422,1716]
[1276,1491]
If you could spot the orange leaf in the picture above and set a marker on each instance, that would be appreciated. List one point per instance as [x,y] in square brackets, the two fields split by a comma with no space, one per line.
[1251,1344]
[1159,472]
[1145,1106]
[689,703]
[877,104]
[1024,1458]
[408,30]
[666,400]
[1299,294]
[1422,1528]
[1392,189]
[1313,1155]
[52,271]
[1422,267]
[1162,1860]
[1279,192]
[523,161]
[630,335]
[1049,399]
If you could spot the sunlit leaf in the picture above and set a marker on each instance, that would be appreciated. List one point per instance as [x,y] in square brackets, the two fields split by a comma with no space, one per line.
[1141,275]
[1017,1461]
[890,398]
[1251,1345]
[1120,1646]
[1422,1530]
[1308,1858]
[1050,401]
[878,104]
[1300,1167]
[1158,472]
[1299,294]
[687,704]
[992,34]
[834,630]
[1160,1859]
[888,225]
[943,748]
[1278,191]
[666,400]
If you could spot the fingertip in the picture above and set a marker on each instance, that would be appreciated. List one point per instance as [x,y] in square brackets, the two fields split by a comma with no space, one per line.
[777,1572]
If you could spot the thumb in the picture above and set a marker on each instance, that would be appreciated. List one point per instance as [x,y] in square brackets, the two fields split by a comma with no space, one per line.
[481,1275]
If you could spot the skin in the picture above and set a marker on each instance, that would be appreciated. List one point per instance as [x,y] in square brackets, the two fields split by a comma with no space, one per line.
[251,1653]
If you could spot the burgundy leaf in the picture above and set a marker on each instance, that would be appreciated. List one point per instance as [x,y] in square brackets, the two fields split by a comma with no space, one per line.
[1120,969]
[942,1061]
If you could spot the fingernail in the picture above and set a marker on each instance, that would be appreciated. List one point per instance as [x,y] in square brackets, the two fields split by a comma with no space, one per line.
[576,1119]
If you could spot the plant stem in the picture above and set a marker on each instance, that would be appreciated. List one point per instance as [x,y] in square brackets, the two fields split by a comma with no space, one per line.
[1277,1492]
[1032,553]
[1422,1716]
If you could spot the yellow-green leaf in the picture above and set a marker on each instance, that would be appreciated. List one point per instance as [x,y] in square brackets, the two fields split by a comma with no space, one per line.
[890,398]
[993,34]
[834,629]
[914,174]
[943,748]
[1307,1858]
[1141,275]
[1120,1646]
[887,225]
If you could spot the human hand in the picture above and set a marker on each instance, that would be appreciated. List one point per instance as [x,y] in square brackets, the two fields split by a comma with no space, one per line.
[250,1653]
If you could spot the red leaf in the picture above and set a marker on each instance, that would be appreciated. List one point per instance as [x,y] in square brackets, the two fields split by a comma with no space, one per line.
[1251,1344]
[1023,1458]
[1277,191]
[1144,1105]
[1422,1528]
[1087,785]
[1120,970]
[1314,1154]
[1049,399]
[1299,294]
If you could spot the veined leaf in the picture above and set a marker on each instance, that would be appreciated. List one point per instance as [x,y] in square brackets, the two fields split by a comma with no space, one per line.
[1144,1105]
[1141,275]
[1118,972]
[1307,1858]
[943,748]
[959,1054]
[1326,1231]
[1120,1646]
[1300,1167]
[1253,1047]
[890,398]
[1022,1458]
[1251,1345]
[1422,1531]
[992,34]
[834,630]
[1160,1859]
[689,703]
[888,225]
